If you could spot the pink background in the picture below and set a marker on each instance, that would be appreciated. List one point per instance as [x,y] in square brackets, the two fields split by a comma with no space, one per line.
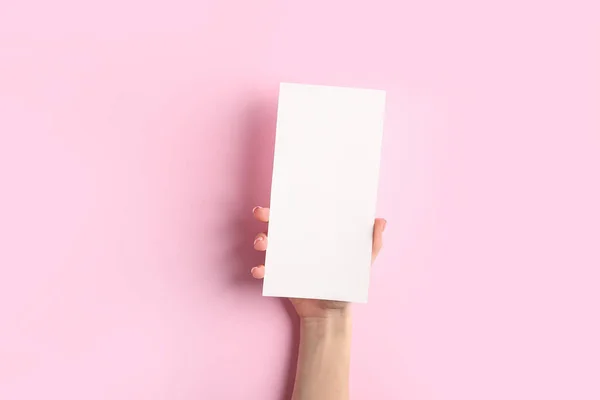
[136,136]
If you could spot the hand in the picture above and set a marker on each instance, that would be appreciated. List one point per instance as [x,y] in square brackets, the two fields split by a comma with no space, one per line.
[311,308]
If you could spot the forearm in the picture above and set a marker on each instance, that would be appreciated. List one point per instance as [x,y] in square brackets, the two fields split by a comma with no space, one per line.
[324,357]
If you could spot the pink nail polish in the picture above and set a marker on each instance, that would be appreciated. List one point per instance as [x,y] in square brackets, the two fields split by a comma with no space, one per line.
[258,239]
[255,208]
[252,270]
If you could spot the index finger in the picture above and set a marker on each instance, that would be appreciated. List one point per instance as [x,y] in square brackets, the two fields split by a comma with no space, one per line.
[261,213]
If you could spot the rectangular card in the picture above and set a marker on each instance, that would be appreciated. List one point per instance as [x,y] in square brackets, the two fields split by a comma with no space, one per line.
[324,192]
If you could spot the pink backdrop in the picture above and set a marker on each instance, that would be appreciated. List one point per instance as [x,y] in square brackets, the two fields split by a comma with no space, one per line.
[136,136]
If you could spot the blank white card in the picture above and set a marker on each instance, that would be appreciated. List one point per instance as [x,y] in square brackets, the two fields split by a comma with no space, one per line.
[324,192]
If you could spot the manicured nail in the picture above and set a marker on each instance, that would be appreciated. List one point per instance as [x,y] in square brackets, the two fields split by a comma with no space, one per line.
[252,270]
[258,239]
[255,208]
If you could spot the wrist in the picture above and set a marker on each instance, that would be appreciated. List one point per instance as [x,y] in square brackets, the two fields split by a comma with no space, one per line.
[333,322]
[324,356]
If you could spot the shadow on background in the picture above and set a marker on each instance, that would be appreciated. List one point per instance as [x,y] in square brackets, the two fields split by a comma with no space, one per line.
[254,183]
[256,166]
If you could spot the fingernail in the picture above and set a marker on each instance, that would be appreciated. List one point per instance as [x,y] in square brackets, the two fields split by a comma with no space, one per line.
[252,270]
[258,239]
[384,224]
[255,208]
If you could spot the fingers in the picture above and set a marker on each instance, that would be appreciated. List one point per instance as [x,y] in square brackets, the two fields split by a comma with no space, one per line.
[261,213]
[258,272]
[260,242]
[378,229]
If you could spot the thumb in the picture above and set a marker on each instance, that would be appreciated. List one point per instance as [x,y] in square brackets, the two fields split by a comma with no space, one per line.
[378,229]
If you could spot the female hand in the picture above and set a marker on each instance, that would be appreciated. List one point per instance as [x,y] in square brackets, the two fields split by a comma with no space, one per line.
[311,308]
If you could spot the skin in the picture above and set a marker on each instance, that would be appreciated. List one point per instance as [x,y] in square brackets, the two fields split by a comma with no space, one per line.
[325,332]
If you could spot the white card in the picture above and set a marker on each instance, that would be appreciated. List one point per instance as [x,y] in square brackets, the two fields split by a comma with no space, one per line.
[324,192]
